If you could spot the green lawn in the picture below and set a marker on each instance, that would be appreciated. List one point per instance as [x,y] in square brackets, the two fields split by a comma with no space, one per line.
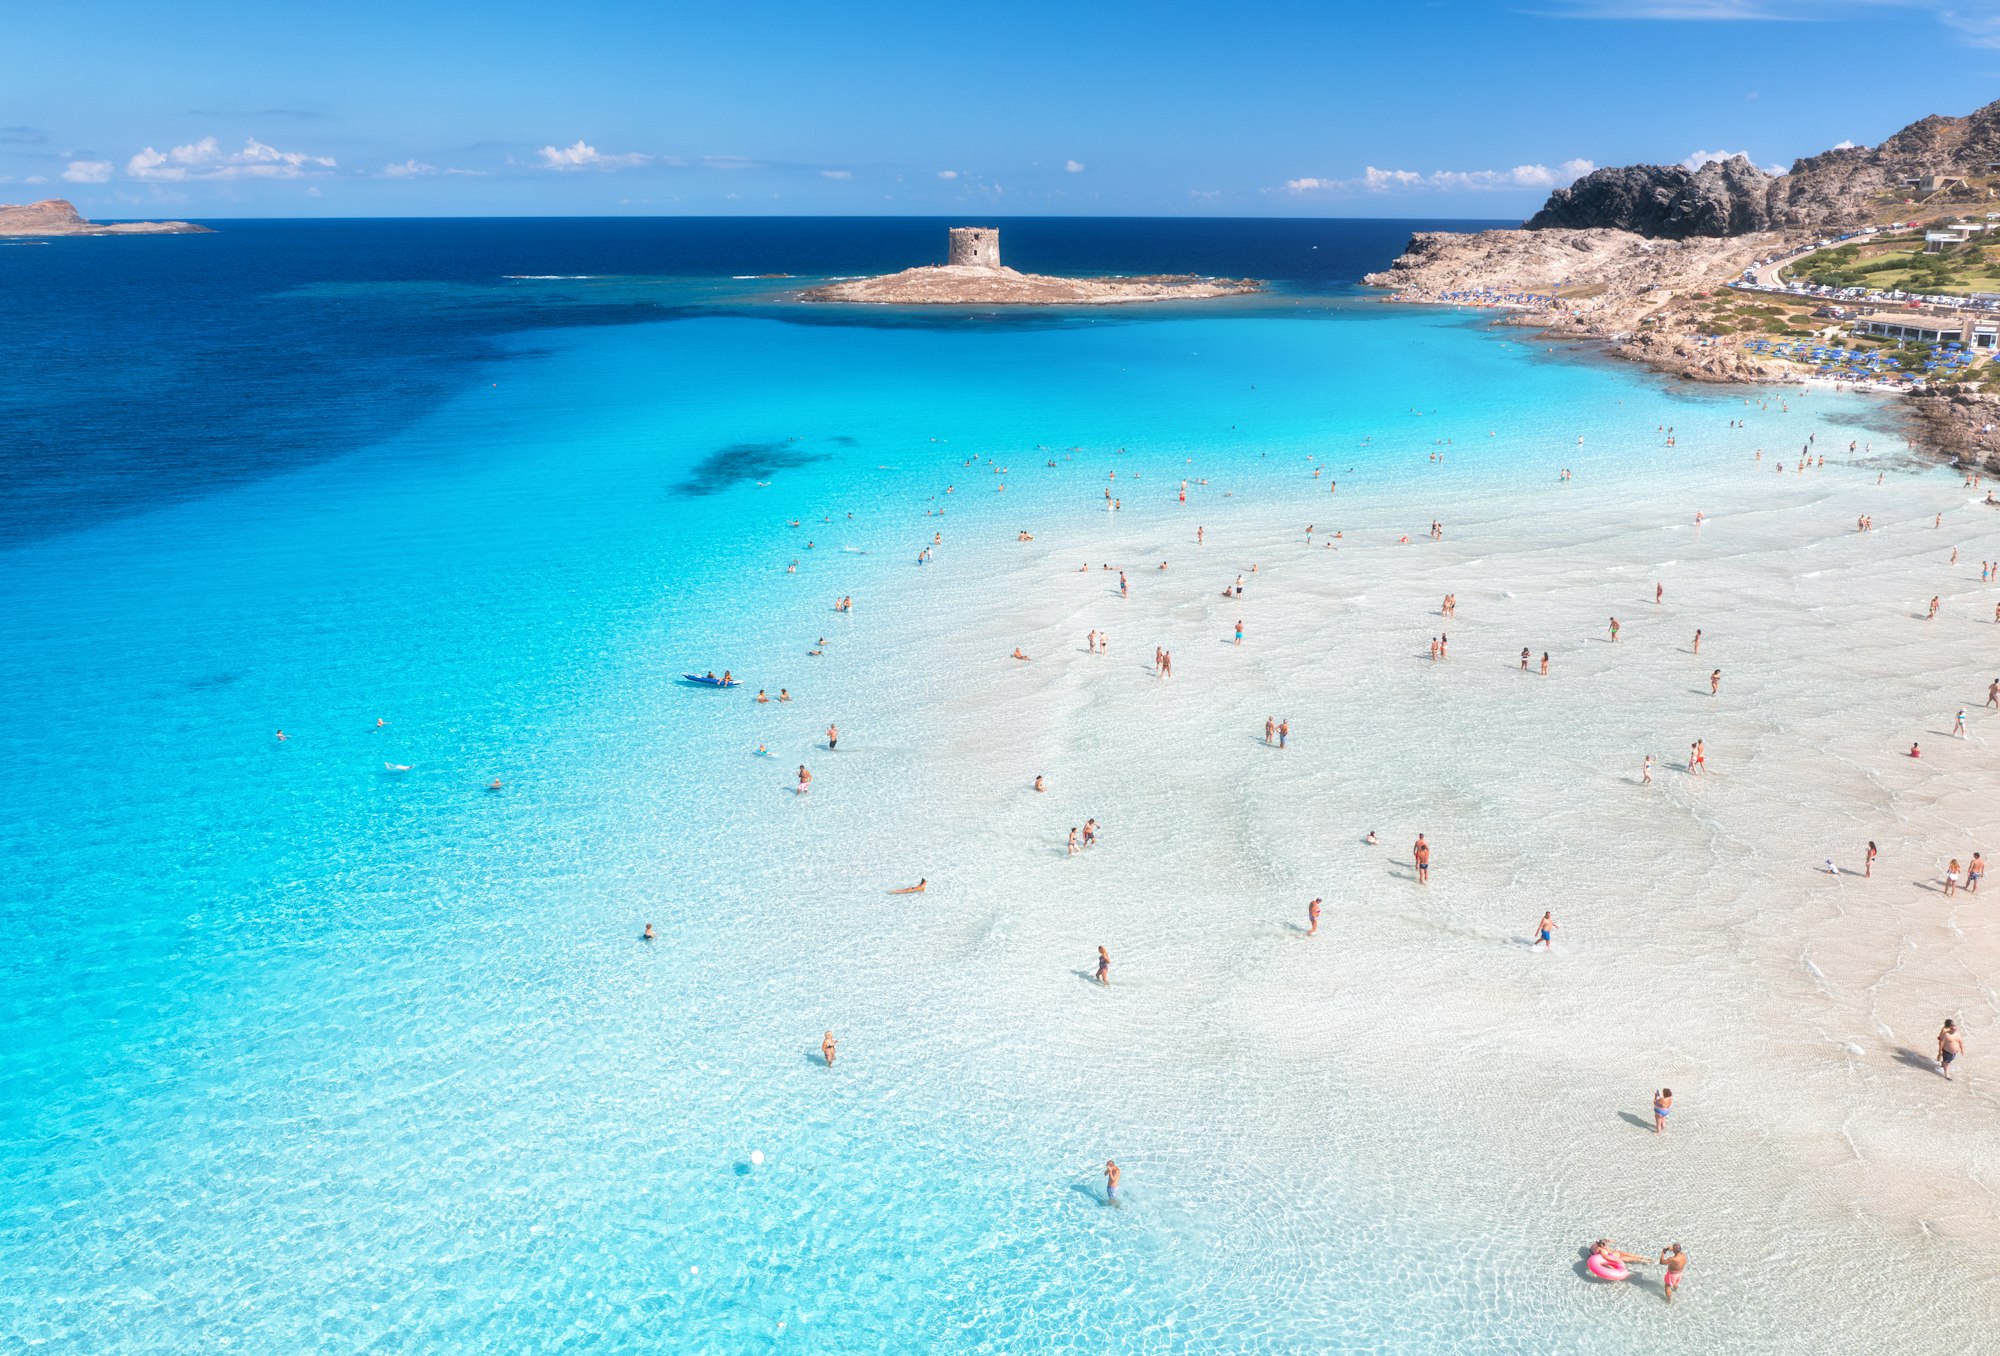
[1900,263]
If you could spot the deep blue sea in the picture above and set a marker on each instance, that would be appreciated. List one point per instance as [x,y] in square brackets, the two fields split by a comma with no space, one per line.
[168,366]
[347,1040]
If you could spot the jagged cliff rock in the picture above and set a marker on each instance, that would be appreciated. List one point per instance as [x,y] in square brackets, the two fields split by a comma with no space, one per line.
[1845,186]
[1666,202]
[57,216]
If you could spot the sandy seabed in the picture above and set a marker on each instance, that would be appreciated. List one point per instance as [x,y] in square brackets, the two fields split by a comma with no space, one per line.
[1417,1062]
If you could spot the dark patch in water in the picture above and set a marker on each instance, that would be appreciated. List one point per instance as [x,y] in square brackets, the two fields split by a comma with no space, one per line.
[844,440]
[213,680]
[738,462]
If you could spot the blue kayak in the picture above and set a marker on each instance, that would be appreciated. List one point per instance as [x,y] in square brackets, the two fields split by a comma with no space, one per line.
[707,681]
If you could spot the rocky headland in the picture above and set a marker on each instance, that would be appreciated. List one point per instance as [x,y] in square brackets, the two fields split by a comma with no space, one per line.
[974,276]
[57,216]
[945,284]
[1639,258]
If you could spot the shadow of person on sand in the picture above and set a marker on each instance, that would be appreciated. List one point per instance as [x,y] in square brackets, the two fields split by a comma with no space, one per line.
[816,1059]
[1089,977]
[1916,1059]
[1089,1193]
[1633,1118]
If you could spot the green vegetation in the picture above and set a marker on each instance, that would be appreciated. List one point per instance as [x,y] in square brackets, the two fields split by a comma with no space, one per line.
[1900,263]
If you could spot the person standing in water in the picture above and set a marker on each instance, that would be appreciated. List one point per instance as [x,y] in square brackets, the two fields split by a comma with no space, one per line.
[1697,640]
[1714,681]
[1111,1175]
[1646,771]
[1421,852]
[1284,732]
[1545,932]
[1958,725]
[832,737]
[1312,917]
[1663,1106]
[1951,1044]
[827,1047]
[1675,1260]
[1103,967]
[1868,862]
[1974,869]
[1270,727]
[1239,631]
[805,779]
[1614,628]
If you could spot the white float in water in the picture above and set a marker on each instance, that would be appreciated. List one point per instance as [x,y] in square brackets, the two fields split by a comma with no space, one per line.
[757,1158]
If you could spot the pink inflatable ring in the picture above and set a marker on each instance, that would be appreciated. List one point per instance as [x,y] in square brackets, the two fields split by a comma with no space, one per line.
[1605,1269]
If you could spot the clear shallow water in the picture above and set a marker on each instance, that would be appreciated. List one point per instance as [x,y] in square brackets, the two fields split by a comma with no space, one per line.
[302,1052]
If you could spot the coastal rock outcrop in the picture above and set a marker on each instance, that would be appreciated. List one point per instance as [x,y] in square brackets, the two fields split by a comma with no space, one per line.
[947,285]
[1670,202]
[1925,164]
[58,216]
[975,276]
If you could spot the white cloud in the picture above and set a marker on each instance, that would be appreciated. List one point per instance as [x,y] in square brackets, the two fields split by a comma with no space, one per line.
[408,169]
[88,172]
[836,174]
[1376,180]
[1205,194]
[205,159]
[1700,158]
[582,155]
[1073,166]
[1977,26]
[947,174]
[1845,145]
[1675,9]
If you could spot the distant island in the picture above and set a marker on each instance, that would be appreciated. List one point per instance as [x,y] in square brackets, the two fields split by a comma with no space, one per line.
[57,216]
[1866,267]
[973,275]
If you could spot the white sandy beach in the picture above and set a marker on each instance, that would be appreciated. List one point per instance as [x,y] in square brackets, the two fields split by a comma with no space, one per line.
[1417,1057]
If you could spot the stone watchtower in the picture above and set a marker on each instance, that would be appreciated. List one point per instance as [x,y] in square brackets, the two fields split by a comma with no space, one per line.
[975,247]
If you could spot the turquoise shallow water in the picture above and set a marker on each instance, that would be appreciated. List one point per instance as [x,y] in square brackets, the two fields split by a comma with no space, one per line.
[301,1052]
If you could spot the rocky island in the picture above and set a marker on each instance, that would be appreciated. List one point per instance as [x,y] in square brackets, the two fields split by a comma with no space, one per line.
[973,275]
[57,216]
[1701,272]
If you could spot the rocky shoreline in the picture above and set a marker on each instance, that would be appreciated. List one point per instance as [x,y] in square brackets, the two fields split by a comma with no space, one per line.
[946,284]
[1643,299]
[56,216]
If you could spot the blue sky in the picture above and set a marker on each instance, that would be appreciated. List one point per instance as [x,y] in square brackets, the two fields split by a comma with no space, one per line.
[1446,108]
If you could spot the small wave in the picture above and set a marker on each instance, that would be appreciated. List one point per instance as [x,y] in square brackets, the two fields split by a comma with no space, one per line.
[550,277]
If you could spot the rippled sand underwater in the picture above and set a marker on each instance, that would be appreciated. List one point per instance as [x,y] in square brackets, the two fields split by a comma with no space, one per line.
[303,1051]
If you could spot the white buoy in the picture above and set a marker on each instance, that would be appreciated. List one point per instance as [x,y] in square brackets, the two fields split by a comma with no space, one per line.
[757,1157]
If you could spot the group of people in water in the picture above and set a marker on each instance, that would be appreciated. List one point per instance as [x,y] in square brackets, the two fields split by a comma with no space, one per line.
[1615,1263]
